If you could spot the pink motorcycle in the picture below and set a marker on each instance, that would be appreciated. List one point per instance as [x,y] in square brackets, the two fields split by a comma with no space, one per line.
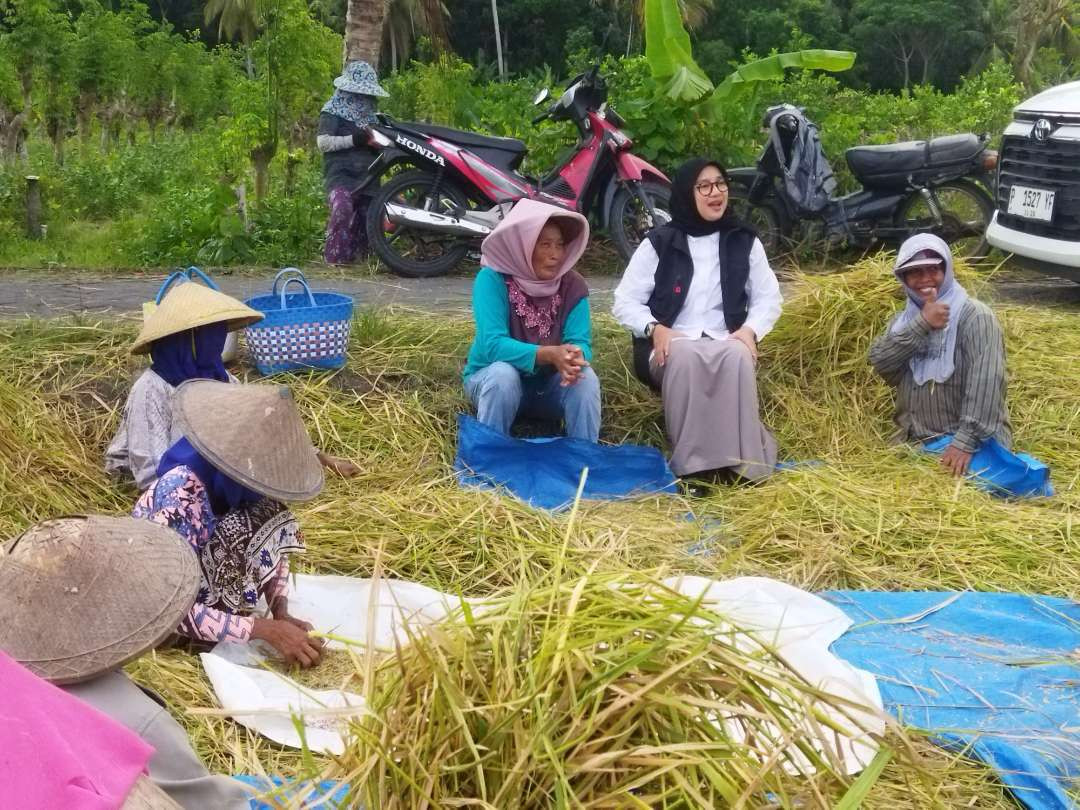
[455,187]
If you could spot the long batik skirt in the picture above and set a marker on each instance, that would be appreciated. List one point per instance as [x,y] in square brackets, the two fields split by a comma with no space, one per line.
[346,234]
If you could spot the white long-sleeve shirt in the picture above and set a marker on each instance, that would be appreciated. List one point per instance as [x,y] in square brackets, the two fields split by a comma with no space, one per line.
[703,310]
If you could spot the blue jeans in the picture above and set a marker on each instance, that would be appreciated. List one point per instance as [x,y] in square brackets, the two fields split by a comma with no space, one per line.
[500,392]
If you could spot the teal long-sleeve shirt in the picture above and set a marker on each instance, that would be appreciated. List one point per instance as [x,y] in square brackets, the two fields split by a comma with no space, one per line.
[491,313]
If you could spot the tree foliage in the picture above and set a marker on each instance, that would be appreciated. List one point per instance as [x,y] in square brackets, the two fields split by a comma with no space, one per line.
[139,113]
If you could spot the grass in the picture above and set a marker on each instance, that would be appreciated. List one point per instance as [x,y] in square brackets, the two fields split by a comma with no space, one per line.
[71,244]
[872,516]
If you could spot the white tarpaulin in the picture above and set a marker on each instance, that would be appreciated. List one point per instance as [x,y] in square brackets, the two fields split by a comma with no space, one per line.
[799,627]
[796,625]
[267,701]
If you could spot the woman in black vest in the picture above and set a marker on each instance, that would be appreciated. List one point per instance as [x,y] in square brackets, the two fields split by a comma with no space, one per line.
[698,295]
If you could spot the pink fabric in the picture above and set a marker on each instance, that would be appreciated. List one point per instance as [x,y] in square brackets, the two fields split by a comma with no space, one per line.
[57,752]
[535,316]
[508,249]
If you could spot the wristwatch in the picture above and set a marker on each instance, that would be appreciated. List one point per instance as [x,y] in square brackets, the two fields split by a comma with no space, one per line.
[650,327]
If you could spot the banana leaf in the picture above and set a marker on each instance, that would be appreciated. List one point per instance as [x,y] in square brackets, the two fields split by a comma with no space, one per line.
[668,52]
[772,68]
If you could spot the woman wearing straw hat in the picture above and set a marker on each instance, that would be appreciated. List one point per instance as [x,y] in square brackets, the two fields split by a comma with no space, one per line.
[697,296]
[533,338]
[79,598]
[184,337]
[243,452]
[346,158]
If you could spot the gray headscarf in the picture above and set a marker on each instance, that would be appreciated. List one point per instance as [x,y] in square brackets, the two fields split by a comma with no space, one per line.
[937,363]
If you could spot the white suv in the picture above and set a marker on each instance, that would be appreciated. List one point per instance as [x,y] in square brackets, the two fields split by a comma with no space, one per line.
[1038,188]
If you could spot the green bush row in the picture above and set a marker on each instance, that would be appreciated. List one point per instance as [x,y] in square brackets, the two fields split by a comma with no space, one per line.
[177,190]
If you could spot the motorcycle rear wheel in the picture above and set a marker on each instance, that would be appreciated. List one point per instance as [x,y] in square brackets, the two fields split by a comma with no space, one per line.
[766,217]
[412,252]
[628,222]
[966,211]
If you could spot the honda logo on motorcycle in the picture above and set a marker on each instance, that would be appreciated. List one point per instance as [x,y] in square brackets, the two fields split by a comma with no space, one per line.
[1042,129]
[423,151]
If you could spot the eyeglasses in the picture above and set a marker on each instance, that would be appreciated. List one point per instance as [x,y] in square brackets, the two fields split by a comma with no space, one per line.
[710,187]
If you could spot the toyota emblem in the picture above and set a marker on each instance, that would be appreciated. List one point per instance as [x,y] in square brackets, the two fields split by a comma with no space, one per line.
[1042,129]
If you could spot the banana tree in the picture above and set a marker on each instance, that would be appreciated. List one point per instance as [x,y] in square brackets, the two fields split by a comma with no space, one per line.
[671,61]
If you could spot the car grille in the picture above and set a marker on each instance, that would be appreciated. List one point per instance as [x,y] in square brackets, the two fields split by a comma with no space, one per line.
[1049,164]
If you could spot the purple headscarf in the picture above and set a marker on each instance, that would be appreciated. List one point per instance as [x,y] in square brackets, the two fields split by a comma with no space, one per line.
[224,492]
[191,354]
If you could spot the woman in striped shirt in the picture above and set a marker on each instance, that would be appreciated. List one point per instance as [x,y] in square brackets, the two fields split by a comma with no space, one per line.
[945,356]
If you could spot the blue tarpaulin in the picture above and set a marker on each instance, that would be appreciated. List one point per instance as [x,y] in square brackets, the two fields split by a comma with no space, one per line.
[546,472]
[997,672]
[326,795]
[1001,471]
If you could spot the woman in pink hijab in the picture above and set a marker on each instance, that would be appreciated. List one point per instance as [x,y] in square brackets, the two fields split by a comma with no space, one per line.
[533,339]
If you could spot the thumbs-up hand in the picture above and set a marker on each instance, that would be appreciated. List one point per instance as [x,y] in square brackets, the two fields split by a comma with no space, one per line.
[935,312]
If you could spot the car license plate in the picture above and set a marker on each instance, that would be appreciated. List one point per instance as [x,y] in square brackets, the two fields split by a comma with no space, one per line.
[1031,203]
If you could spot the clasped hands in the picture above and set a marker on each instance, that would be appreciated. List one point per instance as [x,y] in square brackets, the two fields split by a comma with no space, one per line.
[569,361]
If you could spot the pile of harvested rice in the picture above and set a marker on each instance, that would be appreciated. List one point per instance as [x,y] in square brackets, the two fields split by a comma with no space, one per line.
[605,687]
[872,516]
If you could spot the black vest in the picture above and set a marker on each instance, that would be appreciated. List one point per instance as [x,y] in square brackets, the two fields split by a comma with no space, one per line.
[674,271]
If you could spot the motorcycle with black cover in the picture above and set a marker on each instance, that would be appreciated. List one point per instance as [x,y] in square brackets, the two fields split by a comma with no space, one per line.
[936,186]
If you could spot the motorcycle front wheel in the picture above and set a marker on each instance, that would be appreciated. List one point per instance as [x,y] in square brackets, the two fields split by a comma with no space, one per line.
[409,251]
[966,211]
[628,221]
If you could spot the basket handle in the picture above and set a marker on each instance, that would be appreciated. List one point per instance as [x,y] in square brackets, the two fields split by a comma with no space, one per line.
[302,282]
[177,275]
[284,272]
[184,275]
[205,279]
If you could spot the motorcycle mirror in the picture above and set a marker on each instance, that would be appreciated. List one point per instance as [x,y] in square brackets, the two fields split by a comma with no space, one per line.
[541,97]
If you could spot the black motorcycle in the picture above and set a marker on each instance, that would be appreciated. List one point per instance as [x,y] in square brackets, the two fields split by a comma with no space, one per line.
[937,186]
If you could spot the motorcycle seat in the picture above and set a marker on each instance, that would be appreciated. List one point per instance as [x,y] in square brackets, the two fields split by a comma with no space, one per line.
[505,153]
[911,157]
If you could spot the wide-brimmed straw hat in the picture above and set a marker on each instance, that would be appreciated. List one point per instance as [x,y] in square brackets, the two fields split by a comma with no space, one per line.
[189,305]
[83,595]
[252,433]
[360,77]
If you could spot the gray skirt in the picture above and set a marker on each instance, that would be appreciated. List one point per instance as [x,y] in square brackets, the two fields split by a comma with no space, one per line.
[709,391]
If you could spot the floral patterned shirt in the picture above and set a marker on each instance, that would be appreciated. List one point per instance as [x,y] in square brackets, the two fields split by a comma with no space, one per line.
[180,501]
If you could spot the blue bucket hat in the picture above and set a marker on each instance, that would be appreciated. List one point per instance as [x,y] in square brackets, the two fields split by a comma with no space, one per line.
[360,77]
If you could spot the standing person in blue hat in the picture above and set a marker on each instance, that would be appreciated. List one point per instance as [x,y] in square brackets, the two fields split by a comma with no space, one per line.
[346,158]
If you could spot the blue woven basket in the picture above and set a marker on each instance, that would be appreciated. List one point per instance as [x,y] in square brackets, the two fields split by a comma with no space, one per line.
[301,329]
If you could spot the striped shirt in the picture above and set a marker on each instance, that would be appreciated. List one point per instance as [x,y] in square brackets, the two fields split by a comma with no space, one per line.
[971,403]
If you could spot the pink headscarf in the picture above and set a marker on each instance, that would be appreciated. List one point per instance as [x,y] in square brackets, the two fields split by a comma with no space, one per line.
[508,249]
[56,751]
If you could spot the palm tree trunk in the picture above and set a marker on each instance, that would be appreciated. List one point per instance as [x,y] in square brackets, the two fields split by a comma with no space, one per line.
[363,30]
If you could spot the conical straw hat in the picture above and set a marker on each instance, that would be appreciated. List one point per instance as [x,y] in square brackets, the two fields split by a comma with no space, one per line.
[80,596]
[145,795]
[186,306]
[252,433]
